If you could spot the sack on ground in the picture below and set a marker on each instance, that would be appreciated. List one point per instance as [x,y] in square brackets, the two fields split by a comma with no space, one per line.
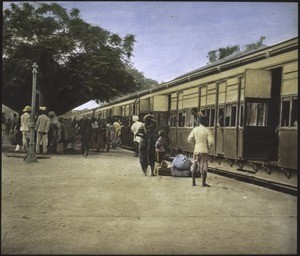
[182,162]
[179,172]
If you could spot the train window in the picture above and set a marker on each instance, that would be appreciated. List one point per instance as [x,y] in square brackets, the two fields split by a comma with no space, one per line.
[212,118]
[251,114]
[256,114]
[294,117]
[180,120]
[285,114]
[233,116]
[173,119]
[221,117]
[227,116]
[190,119]
[261,111]
[208,116]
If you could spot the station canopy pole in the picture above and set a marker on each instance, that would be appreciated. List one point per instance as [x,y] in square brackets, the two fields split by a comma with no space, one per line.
[31,157]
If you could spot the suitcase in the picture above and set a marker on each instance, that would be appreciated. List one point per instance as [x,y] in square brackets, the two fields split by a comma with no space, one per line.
[162,171]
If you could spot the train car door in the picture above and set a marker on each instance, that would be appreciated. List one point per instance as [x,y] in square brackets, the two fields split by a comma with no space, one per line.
[257,142]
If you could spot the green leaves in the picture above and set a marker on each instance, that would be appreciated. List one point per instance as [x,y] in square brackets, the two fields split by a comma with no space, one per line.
[76,61]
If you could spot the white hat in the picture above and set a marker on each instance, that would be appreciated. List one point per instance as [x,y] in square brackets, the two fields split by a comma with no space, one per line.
[135,118]
[26,109]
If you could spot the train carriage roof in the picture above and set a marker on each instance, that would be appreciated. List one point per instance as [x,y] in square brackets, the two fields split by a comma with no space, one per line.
[226,62]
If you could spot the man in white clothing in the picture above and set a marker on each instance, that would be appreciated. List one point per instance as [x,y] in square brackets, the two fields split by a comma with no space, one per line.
[203,139]
[25,127]
[42,128]
[134,128]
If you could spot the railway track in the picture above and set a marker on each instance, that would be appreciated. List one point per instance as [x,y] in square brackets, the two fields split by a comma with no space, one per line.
[281,184]
[278,186]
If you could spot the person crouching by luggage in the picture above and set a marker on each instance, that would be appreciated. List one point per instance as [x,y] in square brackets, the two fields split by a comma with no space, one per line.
[134,128]
[203,139]
[42,128]
[160,146]
[147,144]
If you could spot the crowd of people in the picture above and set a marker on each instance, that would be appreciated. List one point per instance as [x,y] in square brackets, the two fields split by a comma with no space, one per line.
[52,132]
[59,134]
[151,149]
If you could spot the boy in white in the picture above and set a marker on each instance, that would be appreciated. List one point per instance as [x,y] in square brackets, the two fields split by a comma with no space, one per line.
[203,139]
[25,127]
[134,128]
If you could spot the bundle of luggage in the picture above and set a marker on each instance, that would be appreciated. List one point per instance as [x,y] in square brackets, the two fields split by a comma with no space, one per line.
[162,169]
[181,167]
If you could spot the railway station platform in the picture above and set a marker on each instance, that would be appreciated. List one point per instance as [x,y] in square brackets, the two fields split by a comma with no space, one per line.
[103,204]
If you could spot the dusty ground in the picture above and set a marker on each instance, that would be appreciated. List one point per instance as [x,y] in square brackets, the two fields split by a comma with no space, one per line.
[103,204]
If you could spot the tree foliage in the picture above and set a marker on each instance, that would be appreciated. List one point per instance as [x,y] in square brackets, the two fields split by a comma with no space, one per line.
[141,80]
[76,61]
[222,53]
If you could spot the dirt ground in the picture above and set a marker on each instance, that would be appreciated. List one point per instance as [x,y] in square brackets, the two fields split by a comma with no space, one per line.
[103,204]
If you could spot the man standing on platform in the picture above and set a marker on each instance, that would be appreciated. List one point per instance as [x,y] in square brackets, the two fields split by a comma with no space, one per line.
[42,127]
[203,139]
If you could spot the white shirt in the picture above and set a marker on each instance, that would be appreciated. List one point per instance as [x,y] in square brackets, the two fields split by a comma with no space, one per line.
[25,122]
[134,128]
[203,139]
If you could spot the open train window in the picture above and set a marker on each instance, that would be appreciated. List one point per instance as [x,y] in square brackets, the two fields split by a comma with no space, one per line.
[190,118]
[221,117]
[294,114]
[173,119]
[256,114]
[285,112]
[212,118]
[181,119]
[289,112]
[233,116]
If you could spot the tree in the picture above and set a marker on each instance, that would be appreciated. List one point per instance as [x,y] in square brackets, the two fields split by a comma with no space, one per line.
[141,80]
[76,61]
[222,53]
[255,45]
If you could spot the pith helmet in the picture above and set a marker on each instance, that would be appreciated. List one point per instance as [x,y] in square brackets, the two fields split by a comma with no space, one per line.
[27,109]
[135,118]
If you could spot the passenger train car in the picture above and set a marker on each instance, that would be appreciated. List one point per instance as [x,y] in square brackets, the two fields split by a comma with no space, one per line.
[250,98]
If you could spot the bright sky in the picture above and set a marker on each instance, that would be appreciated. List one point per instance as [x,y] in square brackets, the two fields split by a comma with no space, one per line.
[174,38]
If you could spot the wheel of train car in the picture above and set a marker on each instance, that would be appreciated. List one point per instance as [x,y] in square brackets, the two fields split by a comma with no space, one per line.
[211,159]
[269,169]
[240,164]
[219,160]
[254,166]
[230,162]
[287,173]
